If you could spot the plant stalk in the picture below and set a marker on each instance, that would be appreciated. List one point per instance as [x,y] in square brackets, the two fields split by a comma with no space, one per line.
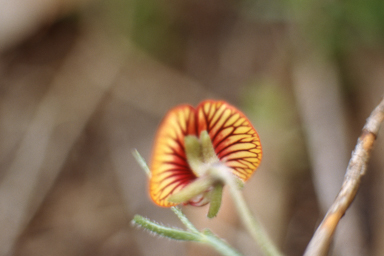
[249,221]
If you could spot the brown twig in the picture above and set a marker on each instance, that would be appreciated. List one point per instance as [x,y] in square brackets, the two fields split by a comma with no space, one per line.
[320,241]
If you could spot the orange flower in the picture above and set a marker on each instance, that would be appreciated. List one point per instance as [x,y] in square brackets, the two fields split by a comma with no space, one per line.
[235,142]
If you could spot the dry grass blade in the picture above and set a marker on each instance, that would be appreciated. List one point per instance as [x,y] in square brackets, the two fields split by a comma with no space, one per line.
[321,240]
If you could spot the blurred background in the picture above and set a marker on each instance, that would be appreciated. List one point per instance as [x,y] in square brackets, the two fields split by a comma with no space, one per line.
[83,83]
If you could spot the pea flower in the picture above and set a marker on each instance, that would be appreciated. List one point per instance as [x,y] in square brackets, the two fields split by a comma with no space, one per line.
[190,142]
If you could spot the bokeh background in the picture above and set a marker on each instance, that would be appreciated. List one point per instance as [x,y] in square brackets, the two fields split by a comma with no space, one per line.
[83,83]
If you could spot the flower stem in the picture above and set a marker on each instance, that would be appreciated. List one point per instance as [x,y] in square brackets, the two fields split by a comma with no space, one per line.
[207,237]
[140,160]
[219,244]
[184,219]
[249,221]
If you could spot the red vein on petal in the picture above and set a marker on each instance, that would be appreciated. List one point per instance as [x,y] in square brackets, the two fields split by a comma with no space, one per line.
[219,129]
[227,128]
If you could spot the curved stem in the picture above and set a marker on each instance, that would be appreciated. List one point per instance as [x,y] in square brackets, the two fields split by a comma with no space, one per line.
[249,221]
[219,244]
[184,219]
[205,237]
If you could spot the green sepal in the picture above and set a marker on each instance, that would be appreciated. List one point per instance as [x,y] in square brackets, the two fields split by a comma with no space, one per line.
[216,196]
[195,188]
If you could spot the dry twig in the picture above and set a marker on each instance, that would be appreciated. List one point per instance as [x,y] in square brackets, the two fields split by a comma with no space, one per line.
[320,241]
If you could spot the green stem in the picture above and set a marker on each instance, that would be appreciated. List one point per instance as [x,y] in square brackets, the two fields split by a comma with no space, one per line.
[184,219]
[141,162]
[206,237]
[219,244]
[249,221]
[165,231]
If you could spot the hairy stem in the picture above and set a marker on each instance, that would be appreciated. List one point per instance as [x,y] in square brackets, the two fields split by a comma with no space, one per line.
[249,221]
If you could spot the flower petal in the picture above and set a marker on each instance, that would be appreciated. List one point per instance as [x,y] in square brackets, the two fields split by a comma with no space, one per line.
[235,140]
[169,167]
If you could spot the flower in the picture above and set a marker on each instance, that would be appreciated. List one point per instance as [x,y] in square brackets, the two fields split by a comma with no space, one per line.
[232,137]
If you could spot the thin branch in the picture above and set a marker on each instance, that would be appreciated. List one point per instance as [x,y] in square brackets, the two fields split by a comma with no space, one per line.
[319,244]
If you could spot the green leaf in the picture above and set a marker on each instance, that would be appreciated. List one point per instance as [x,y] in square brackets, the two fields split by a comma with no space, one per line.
[161,230]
